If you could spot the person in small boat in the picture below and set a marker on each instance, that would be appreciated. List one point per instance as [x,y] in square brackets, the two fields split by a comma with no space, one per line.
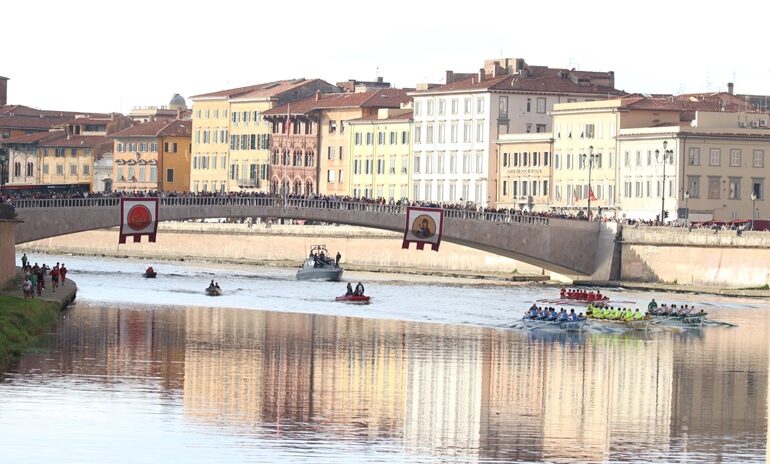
[149,271]
[562,293]
[652,305]
[349,290]
[337,259]
[563,315]
[211,285]
[580,317]
[359,289]
[216,285]
[638,315]
[532,313]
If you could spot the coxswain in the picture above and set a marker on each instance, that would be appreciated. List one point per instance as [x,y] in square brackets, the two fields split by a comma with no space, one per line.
[652,305]
[149,270]
[533,311]
[349,290]
[562,293]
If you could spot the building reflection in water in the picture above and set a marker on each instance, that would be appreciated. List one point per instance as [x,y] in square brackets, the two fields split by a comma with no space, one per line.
[494,394]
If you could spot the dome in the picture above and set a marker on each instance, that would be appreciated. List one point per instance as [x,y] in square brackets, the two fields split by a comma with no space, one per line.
[177,101]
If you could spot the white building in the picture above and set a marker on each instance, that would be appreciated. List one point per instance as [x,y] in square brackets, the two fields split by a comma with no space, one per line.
[456,125]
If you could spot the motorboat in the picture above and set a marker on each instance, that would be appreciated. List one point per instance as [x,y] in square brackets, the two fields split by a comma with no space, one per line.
[319,265]
[357,299]
[213,291]
[150,274]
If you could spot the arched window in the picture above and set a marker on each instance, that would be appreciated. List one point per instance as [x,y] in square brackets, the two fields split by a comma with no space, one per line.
[309,187]
[286,157]
[275,157]
[274,185]
[309,159]
[17,169]
[30,169]
[297,187]
[297,157]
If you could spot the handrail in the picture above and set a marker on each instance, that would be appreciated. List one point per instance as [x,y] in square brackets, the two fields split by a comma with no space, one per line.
[294,203]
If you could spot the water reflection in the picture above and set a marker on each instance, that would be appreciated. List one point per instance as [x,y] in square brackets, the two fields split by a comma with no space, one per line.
[424,390]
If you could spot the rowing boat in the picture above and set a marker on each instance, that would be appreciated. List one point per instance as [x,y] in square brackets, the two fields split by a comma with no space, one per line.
[687,320]
[618,324]
[539,324]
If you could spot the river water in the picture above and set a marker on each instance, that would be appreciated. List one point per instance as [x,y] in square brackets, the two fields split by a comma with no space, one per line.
[143,370]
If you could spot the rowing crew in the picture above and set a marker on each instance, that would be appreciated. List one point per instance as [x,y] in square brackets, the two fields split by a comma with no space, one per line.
[571,294]
[601,311]
[550,314]
[666,310]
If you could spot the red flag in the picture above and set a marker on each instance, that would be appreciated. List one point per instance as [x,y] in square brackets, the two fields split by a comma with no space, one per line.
[591,195]
[287,127]
[576,196]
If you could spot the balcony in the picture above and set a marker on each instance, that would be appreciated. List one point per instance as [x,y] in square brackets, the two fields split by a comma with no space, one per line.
[248,183]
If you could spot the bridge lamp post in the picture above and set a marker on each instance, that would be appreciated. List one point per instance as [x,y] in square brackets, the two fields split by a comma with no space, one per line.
[590,158]
[686,209]
[753,211]
[667,155]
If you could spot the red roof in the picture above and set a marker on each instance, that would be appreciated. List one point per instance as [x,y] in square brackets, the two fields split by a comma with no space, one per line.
[535,79]
[399,117]
[21,110]
[685,103]
[75,141]
[161,128]
[266,90]
[381,98]
[31,138]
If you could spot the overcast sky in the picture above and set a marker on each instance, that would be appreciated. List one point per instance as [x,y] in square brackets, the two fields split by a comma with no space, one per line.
[107,56]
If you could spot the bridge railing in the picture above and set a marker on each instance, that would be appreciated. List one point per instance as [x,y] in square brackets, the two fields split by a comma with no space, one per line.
[301,203]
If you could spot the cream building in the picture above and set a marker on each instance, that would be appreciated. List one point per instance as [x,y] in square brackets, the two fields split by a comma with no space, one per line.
[586,145]
[525,171]
[457,124]
[380,150]
[231,140]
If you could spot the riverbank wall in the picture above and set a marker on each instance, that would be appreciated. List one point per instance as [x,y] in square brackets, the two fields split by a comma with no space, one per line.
[698,257]
[287,245]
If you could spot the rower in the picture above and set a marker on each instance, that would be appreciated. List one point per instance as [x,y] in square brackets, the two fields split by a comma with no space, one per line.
[572,316]
[533,311]
[349,290]
[563,316]
[638,314]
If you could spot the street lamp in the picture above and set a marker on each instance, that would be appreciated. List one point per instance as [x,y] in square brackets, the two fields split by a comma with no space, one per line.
[590,157]
[667,155]
[686,209]
[753,211]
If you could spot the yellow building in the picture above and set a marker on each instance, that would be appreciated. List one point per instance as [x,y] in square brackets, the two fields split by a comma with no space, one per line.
[525,171]
[380,150]
[231,140]
[140,152]
[69,159]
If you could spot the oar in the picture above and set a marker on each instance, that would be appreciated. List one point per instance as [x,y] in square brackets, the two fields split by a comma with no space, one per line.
[726,324]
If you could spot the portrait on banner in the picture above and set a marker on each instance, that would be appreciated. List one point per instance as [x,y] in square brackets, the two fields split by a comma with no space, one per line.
[138,216]
[423,225]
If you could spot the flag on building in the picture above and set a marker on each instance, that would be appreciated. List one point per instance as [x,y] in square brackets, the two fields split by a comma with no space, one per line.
[591,195]
[287,126]
[423,225]
[138,216]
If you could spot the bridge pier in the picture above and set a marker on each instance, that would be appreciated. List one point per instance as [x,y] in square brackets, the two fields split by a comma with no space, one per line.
[7,245]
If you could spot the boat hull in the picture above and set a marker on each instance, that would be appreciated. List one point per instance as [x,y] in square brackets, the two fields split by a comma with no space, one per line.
[320,273]
[680,321]
[150,275]
[636,324]
[213,291]
[567,326]
[355,299]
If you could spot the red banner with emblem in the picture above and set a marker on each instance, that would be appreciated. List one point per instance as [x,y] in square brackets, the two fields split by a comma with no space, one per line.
[423,225]
[138,216]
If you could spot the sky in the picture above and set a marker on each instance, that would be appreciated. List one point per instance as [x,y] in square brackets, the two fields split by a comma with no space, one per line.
[104,56]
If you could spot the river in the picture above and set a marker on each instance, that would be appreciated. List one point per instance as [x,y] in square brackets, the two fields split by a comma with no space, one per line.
[152,370]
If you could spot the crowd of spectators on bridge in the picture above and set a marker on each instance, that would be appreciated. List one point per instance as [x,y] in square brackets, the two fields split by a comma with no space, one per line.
[556,213]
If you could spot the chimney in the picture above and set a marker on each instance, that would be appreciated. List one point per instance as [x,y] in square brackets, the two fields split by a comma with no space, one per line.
[482,74]
[317,95]
[450,77]
[730,88]
[379,79]
[3,91]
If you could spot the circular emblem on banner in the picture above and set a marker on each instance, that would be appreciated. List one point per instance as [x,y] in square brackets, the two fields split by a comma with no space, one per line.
[139,217]
[424,226]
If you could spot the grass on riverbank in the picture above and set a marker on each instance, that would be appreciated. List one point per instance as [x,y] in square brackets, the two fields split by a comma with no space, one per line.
[21,321]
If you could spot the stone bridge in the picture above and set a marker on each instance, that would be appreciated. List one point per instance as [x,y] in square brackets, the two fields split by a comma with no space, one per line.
[569,247]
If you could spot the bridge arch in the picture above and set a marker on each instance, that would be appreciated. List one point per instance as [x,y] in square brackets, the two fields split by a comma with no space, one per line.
[566,246]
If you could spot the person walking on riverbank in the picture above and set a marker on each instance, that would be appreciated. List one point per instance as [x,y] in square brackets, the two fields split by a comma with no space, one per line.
[24,261]
[63,273]
[55,277]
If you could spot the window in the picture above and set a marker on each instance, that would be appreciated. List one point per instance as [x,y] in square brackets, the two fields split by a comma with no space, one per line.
[541,105]
[480,131]
[60,169]
[430,108]
[480,105]
[74,151]
[638,158]
[417,108]
[649,157]
[341,154]
[479,162]
[380,138]
[503,108]
[369,138]
[540,128]
[429,134]
[169,175]
[441,107]
[393,137]
[589,131]
[467,105]
[757,187]
[332,126]
[416,163]
[714,157]
[735,157]
[86,170]
[693,158]
[453,133]
[357,166]
[557,161]
[368,166]
[358,138]
[73,169]
[758,160]
[467,131]
[466,163]
[404,137]
[529,105]
[441,133]
[453,162]
[381,166]
[506,157]
[734,192]
[454,106]
[713,193]
[329,153]
[392,167]
[693,186]
[418,134]
[330,176]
